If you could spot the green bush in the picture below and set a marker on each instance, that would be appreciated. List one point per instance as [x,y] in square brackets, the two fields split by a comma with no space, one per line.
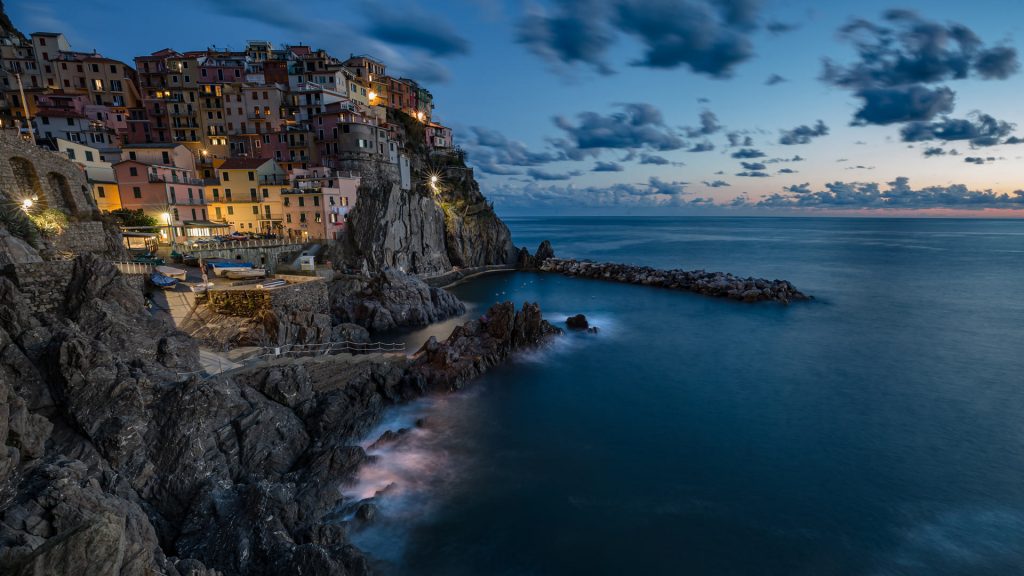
[49,222]
[128,217]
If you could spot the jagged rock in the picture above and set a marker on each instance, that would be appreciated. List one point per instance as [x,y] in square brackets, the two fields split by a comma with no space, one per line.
[388,437]
[391,300]
[577,322]
[544,253]
[478,345]
[347,332]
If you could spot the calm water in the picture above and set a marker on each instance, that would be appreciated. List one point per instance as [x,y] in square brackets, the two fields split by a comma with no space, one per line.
[877,431]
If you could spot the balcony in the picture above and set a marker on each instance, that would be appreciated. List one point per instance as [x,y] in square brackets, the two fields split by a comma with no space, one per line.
[189,202]
[236,200]
[155,178]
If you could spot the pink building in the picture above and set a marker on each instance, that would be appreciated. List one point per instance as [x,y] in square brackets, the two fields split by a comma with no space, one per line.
[438,137]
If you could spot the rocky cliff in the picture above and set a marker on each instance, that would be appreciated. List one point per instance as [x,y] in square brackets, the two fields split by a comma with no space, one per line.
[443,221]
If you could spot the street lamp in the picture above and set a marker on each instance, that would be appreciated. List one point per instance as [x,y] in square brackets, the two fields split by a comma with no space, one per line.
[26,204]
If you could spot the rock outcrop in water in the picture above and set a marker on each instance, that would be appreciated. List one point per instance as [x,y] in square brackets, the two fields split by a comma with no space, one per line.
[716,284]
[476,346]
[389,300]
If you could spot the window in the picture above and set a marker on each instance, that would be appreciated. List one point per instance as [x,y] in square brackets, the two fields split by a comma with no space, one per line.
[266,193]
[88,156]
[302,201]
[131,156]
[133,171]
[176,215]
[288,218]
[231,210]
[225,176]
[316,218]
[136,192]
[316,200]
[302,217]
[252,176]
[216,210]
[101,192]
[166,157]
[255,210]
[71,153]
[97,84]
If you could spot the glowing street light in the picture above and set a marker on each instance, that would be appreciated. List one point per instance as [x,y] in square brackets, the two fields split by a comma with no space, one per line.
[372,95]
[27,204]
[433,180]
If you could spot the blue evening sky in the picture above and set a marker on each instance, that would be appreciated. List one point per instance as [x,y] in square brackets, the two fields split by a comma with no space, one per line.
[504,70]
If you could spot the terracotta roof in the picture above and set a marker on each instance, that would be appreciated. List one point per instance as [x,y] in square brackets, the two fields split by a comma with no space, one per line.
[243,163]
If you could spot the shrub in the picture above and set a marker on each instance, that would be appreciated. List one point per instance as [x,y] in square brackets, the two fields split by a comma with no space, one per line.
[50,222]
[128,217]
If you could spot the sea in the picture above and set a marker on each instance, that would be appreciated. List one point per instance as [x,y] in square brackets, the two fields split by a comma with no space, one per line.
[878,430]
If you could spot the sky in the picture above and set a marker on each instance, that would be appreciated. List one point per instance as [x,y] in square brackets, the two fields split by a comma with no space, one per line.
[650,107]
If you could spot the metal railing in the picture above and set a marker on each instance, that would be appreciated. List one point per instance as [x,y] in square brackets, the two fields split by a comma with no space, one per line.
[235,245]
[133,268]
[329,348]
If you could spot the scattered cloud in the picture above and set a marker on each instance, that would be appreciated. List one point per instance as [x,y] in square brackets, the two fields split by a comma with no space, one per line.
[637,126]
[753,166]
[738,139]
[898,194]
[607,167]
[803,134]
[979,160]
[900,56]
[776,27]
[705,146]
[707,36]
[748,153]
[787,171]
[754,174]
[416,29]
[708,125]
[538,174]
[653,159]
[774,79]
[979,129]
[716,184]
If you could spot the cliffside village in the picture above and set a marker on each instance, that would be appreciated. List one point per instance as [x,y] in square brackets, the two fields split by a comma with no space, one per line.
[266,141]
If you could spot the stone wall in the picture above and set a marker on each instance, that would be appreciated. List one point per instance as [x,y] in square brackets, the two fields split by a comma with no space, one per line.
[303,294]
[28,171]
[44,283]
[82,237]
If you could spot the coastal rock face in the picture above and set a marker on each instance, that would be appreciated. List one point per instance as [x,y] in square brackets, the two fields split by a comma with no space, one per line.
[478,345]
[577,322]
[389,300]
[716,284]
[428,229]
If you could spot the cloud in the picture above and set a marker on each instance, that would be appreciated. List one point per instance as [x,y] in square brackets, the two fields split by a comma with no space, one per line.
[979,129]
[754,174]
[978,160]
[776,27]
[653,159]
[716,184]
[748,153]
[538,174]
[774,79]
[753,166]
[576,33]
[637,126]
[416,30]
[934,151]
[738,139]
[494,153]
[899,194]
[796,158]
[534,195]
[787,171]
[704,146]
[607,167]
[1013,140]
[708,125]
[902,104]
[898,58]
[708,36]
[803,134]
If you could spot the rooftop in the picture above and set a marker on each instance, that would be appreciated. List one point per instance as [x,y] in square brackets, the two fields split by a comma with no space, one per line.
[243,163]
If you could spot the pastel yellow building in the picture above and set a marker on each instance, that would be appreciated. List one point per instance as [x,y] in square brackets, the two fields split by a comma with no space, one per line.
[248,198]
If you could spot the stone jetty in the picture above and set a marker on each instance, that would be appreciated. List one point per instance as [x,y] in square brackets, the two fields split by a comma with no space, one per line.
[716,284]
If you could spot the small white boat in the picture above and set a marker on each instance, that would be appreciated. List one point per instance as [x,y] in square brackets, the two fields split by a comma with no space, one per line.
[200,287]
[272,284]
[236,274]
[171,272]
[223,270]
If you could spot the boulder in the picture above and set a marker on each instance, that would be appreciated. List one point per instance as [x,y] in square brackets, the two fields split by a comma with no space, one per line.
[390,300]
[577,322]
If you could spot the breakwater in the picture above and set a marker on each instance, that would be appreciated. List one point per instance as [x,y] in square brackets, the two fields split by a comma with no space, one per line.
[715,284]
